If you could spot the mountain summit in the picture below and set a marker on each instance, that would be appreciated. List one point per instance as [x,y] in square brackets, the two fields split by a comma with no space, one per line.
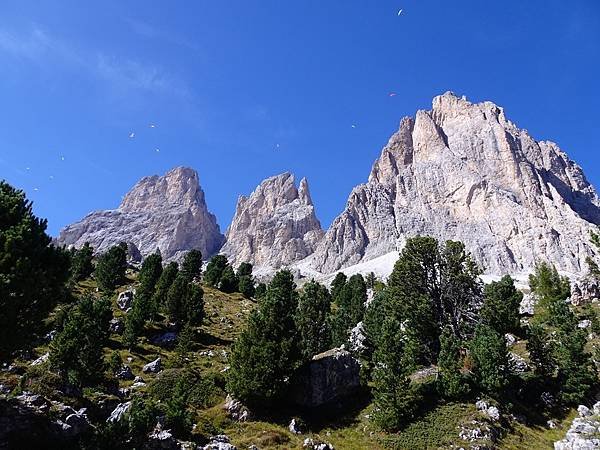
[463,171]
[167,212]
[275,226]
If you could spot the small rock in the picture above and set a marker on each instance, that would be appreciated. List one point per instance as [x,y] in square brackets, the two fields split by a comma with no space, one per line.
[296,426]
[116,326]
[551,424]
[153,367]
[584,324]
[511,339]
[119,412]
[311,444]
[584,411]
[236,410]
[220,442]
[517,364]
[165,339]
[125,299]
[124,373]
[41,360]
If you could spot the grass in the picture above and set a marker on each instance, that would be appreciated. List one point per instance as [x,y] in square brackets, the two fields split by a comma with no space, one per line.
[225,317]
[536,437]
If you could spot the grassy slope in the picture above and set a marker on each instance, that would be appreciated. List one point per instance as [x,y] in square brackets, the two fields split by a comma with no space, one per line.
[225,317]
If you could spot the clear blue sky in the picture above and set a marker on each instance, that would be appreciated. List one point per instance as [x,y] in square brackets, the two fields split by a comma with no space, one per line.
[226,81]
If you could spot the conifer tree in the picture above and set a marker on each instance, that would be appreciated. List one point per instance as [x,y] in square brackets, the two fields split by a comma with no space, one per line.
[311,319]
[266,353]
[81,263]
[33,273]
[165,281]
[245,280]
[77,350]
[490,357]
[110,269]
[350,302]
[451,382]
[396,401]
[214,270]
[501,305]
[229,281]
[191,267]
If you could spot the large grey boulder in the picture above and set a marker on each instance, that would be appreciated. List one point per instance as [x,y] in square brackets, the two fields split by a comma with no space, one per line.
[329,377]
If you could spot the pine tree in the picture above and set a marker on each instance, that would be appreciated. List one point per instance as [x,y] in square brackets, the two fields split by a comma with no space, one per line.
[176,298]
[214,270]
[167,277]
[490,357]
[33,273]
[501,306]
[350,301]
[110,269]
[150,273]
[541,351]
[260,291]
[266,353]
[245,280]
[551,291]
[576,374]
[311,319]
[77,350]
[191,267]
[193,304]
[451,382]
[396,402]
[229,281]
[81,263]
[338,284]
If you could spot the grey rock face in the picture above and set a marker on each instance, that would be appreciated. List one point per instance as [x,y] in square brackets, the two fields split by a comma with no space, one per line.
[167,212]
[584,431]
[329,377]
[275,226]
[463,171]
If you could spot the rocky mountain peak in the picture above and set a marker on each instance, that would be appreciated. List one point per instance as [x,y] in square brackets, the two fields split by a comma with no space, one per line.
[178,187]
[166,212]
[275,226]
[463,171]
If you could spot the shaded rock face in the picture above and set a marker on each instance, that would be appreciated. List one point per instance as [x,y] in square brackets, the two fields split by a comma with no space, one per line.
[275,226]
[329,377]
[167,212]
[463,171]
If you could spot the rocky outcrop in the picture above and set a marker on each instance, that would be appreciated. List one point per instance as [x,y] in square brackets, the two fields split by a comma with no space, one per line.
[167,212]
[465,172]
[584,432]
[329,377]
[275,226]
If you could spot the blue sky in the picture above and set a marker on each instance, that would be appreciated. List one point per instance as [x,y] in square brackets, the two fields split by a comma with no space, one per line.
[225,82]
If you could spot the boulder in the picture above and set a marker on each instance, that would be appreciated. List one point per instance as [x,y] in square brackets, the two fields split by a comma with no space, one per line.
[220,442]
[124,373]
[311,444]
[357,338]
[329,377]
[167,339]
[585,290]
[236,410]
[125,299]
[153,366]
[116,326]
[119,412]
